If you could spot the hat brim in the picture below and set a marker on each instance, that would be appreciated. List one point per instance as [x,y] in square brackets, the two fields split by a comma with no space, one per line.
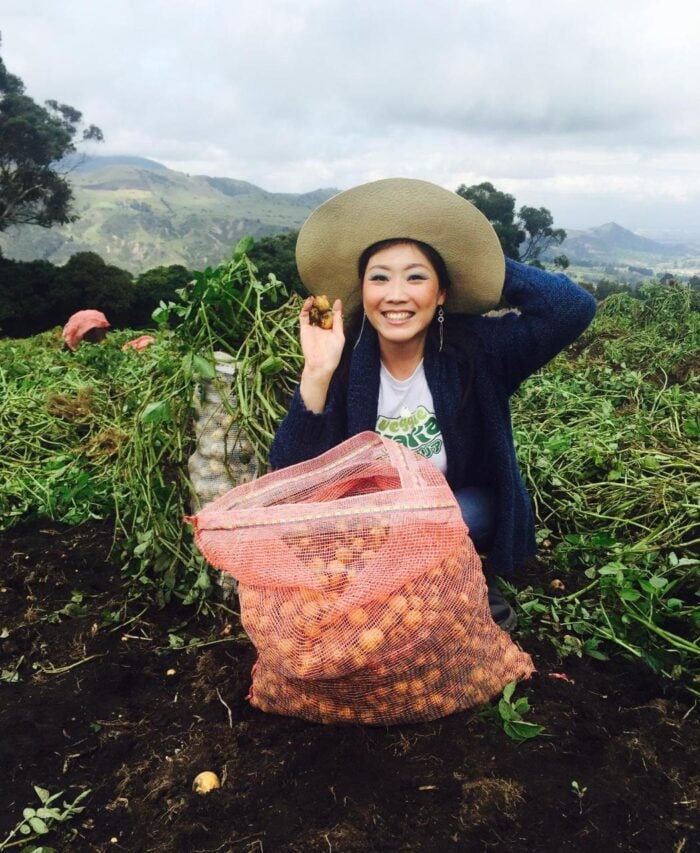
[335,235]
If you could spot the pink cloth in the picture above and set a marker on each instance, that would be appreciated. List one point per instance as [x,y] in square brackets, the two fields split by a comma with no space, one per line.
[80,323]
[139,343]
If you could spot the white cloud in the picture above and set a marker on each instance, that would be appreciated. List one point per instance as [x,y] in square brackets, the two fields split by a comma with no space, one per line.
[560,100]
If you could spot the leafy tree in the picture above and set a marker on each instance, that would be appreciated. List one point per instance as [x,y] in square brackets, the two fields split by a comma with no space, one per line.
[28,297]
[499,208]
[276,255]
[562,262]
[537,223]
[88,282]
[605,287]
[32,141]
[152,287]
[524,238]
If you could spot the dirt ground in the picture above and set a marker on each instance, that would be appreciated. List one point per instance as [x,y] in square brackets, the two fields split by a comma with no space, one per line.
[87,703]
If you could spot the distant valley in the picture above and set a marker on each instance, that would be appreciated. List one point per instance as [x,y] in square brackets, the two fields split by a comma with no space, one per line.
[137,214]
[613,250]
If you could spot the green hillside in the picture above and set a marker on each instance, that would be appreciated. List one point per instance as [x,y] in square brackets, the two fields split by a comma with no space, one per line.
[138,215]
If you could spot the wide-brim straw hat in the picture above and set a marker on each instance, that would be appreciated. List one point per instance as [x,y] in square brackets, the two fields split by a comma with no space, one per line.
[335,235]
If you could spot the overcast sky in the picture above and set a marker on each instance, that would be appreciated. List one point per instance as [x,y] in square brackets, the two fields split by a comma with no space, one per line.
[589,108]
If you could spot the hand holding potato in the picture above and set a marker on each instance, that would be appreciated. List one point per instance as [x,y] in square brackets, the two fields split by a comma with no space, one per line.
[322,348]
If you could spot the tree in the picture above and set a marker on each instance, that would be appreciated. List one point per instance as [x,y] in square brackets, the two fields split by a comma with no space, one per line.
[152,287]
[537,223]
[605,287]
[29,297]
[562,262]
[276,255]
[499,209]
[88,282]
[525,238]
[33,139]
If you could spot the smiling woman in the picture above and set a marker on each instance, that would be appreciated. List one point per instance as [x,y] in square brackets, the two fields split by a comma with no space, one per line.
[418,266]
[401,292]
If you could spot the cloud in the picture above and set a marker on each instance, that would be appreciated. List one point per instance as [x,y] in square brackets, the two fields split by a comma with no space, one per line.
[570,97]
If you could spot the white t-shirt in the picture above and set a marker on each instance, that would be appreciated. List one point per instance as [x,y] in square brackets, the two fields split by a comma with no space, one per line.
[406,414]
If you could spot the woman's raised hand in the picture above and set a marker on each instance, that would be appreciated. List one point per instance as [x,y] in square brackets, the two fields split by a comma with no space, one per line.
[322,348]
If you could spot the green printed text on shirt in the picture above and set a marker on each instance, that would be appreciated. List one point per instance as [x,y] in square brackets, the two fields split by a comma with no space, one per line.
[417,430]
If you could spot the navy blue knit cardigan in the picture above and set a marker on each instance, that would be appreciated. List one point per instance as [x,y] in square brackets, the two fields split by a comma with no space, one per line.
[476,429]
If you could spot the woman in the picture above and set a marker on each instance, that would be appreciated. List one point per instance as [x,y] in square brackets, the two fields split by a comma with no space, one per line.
[420,363]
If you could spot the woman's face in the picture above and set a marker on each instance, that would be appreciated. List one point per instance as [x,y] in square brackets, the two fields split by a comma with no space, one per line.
[401,293]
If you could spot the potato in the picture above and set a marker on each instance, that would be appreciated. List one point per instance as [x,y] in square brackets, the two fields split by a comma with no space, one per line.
[358,617]
[335,576]
[449,704]
[205,782]
[370,639]
[306,665]
[262,623]
[312,609]
[312,630]
[344,555]
[419,704]
[412,618]
[359,661]
[285,646]
[398,603]
[388,621]
[377,535]
[432,676]
[287,609]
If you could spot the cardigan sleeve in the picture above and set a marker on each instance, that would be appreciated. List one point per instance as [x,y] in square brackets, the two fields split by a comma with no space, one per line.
[304,434]
[553,312]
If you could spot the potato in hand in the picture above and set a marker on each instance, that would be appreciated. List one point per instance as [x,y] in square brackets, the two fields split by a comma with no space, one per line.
[321,313]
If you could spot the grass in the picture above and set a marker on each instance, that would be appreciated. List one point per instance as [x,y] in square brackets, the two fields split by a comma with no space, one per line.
[607,439]
[606,435]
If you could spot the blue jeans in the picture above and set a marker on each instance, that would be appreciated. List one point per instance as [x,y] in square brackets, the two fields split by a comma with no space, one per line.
[479,513]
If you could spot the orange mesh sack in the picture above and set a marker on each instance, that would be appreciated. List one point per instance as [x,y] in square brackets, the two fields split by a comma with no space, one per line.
[360,588]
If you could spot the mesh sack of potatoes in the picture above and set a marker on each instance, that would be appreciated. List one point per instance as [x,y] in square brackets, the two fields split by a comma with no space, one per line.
[360,588]
[223,456]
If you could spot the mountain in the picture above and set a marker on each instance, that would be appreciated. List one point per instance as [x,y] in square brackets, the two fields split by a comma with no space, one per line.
[611,243]
[138,214]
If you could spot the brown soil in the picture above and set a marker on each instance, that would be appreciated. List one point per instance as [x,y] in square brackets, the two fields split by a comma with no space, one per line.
[95,708]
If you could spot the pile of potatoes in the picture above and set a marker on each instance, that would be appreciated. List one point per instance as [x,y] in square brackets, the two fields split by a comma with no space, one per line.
[331,650]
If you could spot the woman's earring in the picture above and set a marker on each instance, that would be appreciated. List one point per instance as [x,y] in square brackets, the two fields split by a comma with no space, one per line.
[441,323]
[362,328]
